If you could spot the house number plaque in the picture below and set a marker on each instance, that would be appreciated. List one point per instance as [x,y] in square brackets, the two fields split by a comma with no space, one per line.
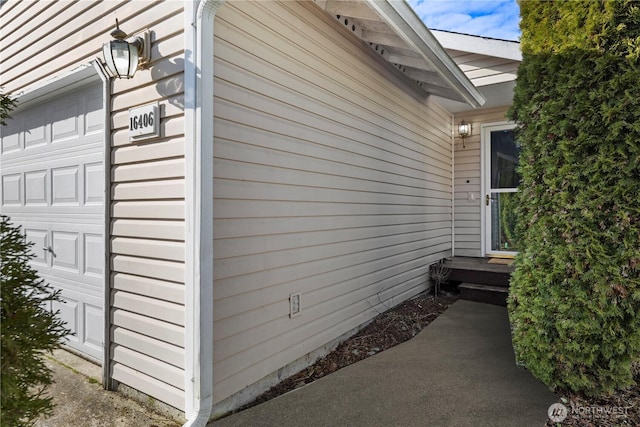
[144,122]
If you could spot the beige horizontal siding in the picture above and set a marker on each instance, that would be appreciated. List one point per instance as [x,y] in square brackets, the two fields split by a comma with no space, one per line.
[174,355]
[151,307]
[132,153]
[468,181]
[60,45]
[149,190]
[231,228]
[149,366]
[154,268]
[158,249]
[148,384]
[331,178]
[157,289]
[148,326]
[164,230]
[152,210]
[44,39]
[163,169]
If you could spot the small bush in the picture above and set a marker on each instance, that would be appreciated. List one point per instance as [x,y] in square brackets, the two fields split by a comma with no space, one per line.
[28,330]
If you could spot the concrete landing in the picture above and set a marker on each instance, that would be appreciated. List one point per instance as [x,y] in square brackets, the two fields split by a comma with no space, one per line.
[459,371]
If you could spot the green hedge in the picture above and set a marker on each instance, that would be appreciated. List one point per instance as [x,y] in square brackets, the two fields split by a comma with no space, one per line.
[575,295]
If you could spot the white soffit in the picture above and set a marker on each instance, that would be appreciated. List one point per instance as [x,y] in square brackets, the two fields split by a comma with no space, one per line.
[491,64]
[488,46]
[498,95]
[393,30]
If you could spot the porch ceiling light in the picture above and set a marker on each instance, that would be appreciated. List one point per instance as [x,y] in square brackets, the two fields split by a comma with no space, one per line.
[464,130]
[123,57]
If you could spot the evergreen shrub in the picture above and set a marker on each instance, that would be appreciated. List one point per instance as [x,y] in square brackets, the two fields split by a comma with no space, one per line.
[574,303]
[28,329]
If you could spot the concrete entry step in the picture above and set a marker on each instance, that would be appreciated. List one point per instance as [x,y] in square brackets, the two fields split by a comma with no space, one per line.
[489,294]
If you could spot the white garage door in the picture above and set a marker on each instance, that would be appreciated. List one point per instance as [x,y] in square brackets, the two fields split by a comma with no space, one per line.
[53,185]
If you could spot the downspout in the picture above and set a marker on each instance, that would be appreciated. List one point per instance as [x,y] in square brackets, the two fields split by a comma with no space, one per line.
[453,186]
[199,18]
[106,108]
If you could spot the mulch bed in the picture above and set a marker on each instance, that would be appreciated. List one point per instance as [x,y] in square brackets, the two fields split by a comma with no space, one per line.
[388,329]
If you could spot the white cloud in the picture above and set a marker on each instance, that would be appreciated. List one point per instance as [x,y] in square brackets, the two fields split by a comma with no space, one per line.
[498,18]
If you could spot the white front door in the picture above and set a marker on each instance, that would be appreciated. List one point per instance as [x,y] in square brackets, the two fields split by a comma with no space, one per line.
[501,156]
[52,185]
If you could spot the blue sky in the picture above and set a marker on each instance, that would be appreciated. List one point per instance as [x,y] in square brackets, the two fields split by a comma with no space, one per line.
[497,18]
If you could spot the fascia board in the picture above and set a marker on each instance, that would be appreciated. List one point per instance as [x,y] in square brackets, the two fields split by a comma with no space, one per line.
[480,45]
[403,20]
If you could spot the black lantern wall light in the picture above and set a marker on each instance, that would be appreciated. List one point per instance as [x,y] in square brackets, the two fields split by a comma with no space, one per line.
[124,57]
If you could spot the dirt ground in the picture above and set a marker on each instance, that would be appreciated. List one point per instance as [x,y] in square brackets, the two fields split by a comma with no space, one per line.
[82,402]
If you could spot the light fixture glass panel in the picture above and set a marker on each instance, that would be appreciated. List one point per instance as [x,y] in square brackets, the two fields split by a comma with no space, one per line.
[121,58]
[464,129]
[108,59]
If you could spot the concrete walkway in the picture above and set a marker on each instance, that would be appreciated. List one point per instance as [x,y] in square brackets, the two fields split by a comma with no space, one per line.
[459,371]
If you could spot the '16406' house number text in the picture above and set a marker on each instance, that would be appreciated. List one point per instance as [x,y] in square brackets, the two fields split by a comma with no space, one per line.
[143,122]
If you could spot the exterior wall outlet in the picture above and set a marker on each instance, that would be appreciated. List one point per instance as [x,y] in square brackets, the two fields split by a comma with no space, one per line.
[294,304]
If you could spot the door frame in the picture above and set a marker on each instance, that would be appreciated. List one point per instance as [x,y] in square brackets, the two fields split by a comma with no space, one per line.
[485,170]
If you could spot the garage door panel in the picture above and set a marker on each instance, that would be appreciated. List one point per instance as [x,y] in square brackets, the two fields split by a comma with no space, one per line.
[83,316]
[93,254]
[52,183]
[65,251]
[35,188]
[36,128]
[93,117]
[66,281]
[68,312]
[65,185]
[68,151]
[93,327]
[65,120]
[10,137]
[40,239]
[93,184]
[11,190]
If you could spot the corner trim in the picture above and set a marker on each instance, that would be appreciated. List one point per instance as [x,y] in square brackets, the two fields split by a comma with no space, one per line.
[198,117]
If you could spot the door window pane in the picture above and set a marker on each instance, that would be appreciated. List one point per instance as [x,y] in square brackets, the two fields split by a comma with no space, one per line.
[503,222]
[505,152]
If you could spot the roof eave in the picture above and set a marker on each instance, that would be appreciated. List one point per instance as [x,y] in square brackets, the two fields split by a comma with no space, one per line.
[407,25]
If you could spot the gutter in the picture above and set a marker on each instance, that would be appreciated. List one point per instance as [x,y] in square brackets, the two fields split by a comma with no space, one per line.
[106,240]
